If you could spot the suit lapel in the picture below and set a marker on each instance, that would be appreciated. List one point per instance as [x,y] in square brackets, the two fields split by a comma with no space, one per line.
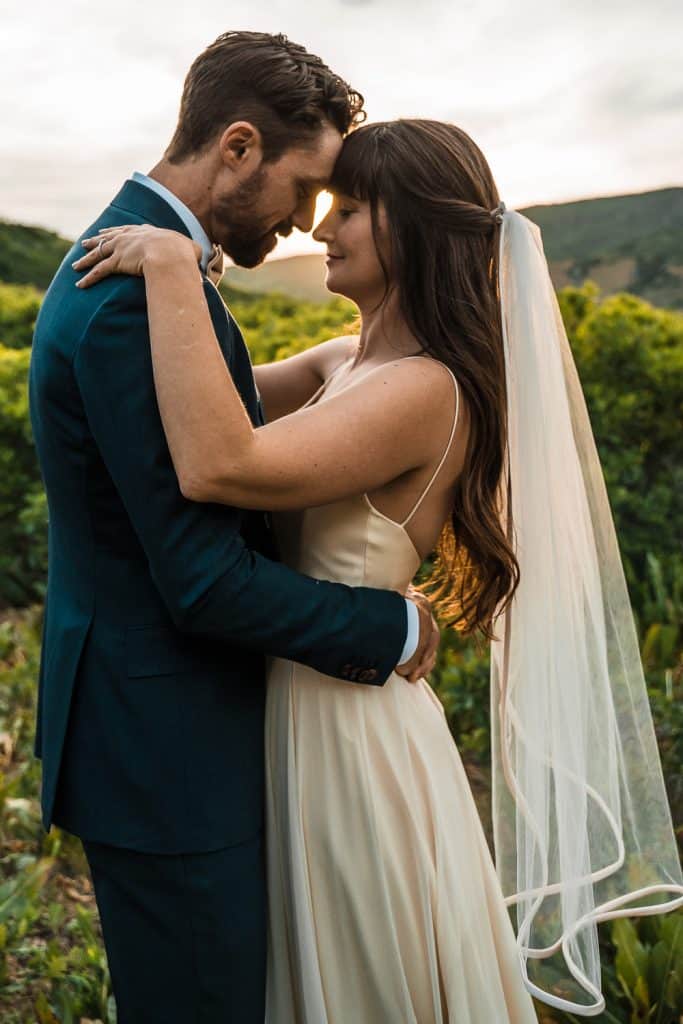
[149,207]
[144,203]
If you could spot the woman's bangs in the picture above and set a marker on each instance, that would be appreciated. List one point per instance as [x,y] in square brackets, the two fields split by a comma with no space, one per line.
[356,170]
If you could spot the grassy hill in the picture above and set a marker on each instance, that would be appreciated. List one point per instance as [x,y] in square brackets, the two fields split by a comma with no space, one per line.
[302,277]
[625,243]
[30,255]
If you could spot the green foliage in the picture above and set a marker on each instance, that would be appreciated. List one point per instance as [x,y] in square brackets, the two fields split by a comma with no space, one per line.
[19,305]
[276,326]
[23,510]
[630,361]
[52,964]
[590,229]
[649,967]
[30,255]
[642,973]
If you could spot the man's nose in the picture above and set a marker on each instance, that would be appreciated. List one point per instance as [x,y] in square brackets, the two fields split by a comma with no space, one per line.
[304,215]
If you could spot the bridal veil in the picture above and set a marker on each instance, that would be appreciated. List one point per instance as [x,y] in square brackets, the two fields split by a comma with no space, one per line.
[582,827]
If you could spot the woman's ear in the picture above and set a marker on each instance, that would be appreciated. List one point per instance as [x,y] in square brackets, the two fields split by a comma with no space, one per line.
[241,146]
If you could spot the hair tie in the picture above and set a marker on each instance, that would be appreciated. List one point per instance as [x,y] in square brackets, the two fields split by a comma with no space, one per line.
[498,212]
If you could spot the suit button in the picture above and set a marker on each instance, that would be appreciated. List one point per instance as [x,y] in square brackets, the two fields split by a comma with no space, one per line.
[367,675]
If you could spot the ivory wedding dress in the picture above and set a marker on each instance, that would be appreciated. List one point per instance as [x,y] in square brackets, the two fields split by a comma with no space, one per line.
[384,903]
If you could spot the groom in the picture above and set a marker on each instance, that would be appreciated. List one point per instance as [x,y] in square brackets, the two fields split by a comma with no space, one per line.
[159,610]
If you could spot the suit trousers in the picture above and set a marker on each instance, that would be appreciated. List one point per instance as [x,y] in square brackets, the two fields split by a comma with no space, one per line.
[185,934]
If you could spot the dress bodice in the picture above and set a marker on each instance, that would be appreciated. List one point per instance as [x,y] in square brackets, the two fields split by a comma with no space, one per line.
[347,541]
[350,541]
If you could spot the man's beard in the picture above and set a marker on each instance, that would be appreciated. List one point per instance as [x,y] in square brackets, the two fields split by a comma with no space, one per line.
[244,236]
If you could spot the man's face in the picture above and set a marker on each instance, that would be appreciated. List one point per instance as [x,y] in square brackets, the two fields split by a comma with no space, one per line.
[248,216]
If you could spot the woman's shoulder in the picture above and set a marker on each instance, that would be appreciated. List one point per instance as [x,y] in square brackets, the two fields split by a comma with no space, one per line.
[420,372]
[425,387]
[329,355]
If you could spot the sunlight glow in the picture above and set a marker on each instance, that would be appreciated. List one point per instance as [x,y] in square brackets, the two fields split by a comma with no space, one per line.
[299,242]
[322,206]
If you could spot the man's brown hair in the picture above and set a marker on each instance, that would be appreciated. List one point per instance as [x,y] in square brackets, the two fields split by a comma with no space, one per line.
[284,91]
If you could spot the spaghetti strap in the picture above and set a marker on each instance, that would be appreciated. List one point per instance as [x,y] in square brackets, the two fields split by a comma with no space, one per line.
[322,387]
[446,451]
[313,397]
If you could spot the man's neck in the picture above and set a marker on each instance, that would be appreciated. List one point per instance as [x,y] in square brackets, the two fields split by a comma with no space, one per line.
[186,181]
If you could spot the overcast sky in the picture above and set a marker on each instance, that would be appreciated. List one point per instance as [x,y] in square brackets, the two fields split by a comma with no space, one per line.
[567,100]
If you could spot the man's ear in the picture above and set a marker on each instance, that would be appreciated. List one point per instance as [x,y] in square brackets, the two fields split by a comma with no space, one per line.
[241,146]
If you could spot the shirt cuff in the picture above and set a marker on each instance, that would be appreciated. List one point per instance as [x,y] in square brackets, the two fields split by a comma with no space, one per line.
[413,636]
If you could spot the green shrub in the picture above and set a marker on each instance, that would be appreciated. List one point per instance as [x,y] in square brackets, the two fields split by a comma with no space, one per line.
[52,963]
[23,510]
[630,360]
[19,305]
[275,326]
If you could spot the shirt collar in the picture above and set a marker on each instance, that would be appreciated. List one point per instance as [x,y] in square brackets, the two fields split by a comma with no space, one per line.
[197,232]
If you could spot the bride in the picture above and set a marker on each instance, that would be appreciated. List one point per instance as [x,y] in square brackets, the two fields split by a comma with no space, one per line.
[454,422]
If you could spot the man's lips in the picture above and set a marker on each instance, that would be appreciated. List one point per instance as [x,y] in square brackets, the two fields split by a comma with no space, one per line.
[331,256]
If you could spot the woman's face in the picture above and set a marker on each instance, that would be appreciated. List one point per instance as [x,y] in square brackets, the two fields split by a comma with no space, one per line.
[353,266]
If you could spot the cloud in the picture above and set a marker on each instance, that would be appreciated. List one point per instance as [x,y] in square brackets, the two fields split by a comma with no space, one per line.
[565,100]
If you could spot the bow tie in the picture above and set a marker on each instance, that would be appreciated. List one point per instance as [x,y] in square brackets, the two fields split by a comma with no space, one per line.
[214,268]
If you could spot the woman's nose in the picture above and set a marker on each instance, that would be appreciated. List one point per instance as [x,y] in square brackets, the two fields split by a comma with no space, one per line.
[322,232]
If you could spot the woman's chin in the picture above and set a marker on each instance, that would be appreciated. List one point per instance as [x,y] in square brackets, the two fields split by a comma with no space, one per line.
[334,283]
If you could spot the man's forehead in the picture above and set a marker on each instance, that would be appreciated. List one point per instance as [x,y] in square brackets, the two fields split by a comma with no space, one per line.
[321,158]
[314,180]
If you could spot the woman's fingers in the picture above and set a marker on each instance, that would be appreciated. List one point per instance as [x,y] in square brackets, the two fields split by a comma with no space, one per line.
[101,269]
[119,230]
[429,660]
[124,249]
[89,260]
[97,250]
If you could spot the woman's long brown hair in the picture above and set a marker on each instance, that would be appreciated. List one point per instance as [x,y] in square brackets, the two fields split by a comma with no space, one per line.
[438,191]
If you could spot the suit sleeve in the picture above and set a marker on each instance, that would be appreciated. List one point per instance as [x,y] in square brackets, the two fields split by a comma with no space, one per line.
[209,580]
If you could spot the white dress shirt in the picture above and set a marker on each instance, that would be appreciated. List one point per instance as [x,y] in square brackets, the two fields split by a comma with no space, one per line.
[186,215]
[199,235]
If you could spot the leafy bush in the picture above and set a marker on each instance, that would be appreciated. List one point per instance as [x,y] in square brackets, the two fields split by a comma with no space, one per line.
[630,360]
[19,305]
[23,509]
[53,968]
[275,326]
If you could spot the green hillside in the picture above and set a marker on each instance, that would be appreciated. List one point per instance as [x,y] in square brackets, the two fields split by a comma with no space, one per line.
[628,243]
[625,243]
[609,227]
[302,277]
[30,255]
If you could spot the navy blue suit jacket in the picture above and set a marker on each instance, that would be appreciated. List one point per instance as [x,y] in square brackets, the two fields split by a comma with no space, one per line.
[159,610]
